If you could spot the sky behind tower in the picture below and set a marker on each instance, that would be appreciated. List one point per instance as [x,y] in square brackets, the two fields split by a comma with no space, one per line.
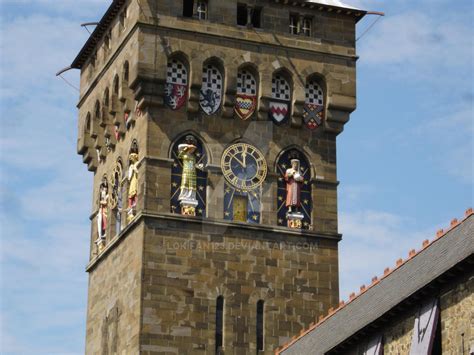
[405,159]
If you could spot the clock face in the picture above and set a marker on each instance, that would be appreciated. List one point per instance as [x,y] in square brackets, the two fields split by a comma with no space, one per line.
[244,166]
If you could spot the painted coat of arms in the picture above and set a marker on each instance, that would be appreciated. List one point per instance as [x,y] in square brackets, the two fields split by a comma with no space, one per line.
[313,114]
[210,97]
[176,89]
[279,108]
[246,99]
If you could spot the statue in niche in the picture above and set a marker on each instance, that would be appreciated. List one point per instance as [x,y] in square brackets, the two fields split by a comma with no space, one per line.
[187,196]
[116,199]
[102,213]
[294,181]
[132,181]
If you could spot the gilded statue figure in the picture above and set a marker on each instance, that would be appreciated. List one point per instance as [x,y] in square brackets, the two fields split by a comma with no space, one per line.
[187,154]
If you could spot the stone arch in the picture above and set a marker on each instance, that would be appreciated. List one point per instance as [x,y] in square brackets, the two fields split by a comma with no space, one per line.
[283,162]
[213,81]
[177,80]
[200,187]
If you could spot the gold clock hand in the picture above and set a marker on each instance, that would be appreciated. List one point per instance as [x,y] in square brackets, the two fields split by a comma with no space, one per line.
[244,156]
[240,161]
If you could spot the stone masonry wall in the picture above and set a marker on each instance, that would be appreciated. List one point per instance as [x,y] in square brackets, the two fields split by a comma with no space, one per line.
[188,264]
[113,310]
[457,318]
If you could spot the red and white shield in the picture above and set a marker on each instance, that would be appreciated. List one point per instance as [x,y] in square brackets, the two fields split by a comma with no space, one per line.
[175,95]
[279,112]
[176,89]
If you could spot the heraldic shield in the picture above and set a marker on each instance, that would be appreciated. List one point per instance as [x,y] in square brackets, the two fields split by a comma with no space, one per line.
[245,106]
[279,112]
[210,97]
[313,115]
[176,89]
[246,99]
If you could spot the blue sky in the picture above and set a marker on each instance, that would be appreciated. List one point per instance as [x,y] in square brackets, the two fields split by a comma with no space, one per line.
[405,159]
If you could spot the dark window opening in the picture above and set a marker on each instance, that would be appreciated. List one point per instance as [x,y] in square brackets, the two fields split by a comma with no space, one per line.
[125,72]
[260,325]
[241,14]
[219,324]
[188,8]
[116,85]
[256,17]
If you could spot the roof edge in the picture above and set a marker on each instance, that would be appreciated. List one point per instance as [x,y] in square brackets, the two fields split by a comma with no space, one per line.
[97,34]
[375,280]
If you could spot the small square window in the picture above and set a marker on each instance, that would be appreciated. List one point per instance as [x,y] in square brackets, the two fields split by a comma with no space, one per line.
[202,10]
[294,24]
[307,27]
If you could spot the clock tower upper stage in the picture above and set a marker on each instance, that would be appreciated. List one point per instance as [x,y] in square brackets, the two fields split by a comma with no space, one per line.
[282,82]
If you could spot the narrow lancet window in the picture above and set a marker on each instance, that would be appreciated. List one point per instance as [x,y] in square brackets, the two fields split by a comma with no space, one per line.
[260,325]
[219,324]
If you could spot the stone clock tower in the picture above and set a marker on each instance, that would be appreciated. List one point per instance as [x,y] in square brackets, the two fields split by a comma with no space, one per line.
[210,128]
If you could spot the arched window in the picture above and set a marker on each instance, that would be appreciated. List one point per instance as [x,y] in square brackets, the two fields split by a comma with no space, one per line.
[126,70]
[260,325]
[246,99]
[210,97]
[313,114]
[116,85]
[97,111]
[178,170]
[176,90]
[219,324]
[88,124]
[279,107]
[305,203]
[105,101]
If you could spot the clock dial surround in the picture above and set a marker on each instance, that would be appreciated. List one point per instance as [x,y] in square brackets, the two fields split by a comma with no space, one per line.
[244,166]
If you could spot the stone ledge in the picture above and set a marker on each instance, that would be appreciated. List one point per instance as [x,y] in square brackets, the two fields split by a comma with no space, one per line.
[269,231]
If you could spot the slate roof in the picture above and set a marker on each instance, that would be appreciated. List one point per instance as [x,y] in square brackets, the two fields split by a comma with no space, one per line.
[450,248]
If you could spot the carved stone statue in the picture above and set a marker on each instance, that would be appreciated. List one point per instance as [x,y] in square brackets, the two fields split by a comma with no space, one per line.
[102,213]
[132,181]
[116,200]
[294,181]
[187,196]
